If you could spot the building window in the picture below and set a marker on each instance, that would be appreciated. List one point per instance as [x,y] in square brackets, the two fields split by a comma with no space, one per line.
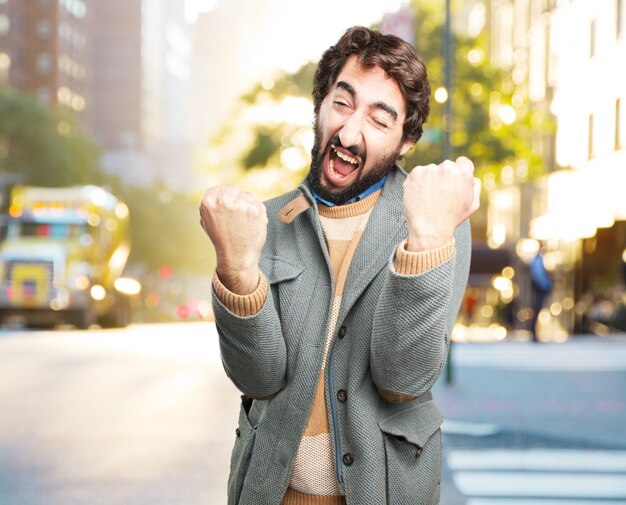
[43,63]
[592,39]
[44,29]
[618,124]
[5,67]
[78,41]
[78,8]
[5,24]
[590,138]
[67,33]
[64,95]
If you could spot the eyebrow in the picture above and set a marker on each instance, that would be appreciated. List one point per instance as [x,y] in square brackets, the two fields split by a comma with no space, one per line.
[387,108]
[378,105]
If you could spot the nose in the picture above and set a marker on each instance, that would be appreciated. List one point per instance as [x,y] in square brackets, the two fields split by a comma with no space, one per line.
[350,133]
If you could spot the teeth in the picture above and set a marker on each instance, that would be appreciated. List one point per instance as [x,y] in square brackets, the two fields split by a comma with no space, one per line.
[346,158]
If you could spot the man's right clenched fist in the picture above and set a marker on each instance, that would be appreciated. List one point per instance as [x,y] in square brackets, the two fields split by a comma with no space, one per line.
[236,223]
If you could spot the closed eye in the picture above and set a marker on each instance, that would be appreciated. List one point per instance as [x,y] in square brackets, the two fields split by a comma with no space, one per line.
[379,123]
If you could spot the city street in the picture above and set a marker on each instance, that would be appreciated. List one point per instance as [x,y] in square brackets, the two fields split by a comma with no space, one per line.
[147,145]
[146,415]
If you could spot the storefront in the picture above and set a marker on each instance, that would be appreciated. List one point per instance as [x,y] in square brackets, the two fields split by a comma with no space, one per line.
[578,217]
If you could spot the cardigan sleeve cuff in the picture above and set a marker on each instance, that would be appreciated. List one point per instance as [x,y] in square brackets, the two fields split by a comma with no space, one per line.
[415,263]
[242,305]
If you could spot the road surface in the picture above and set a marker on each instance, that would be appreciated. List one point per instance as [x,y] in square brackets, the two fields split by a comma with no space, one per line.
[146,416]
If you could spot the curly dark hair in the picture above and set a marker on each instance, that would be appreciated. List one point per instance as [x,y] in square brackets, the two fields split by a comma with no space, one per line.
[395,56]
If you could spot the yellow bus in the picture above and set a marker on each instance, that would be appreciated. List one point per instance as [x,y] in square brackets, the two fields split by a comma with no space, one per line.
[63,257]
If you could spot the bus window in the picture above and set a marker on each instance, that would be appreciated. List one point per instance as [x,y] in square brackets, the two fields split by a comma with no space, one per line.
[48,230]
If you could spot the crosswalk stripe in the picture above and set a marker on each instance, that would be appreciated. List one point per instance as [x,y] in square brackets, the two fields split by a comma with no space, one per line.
[524,484]
[539,460]
[536,501]
[452,427]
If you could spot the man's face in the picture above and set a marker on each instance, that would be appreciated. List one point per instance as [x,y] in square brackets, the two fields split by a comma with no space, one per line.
[358,133]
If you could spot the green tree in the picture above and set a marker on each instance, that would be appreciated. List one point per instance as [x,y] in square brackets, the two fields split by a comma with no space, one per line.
[165,229]
[266,143]
[263,147]
[492,122]
[44,146]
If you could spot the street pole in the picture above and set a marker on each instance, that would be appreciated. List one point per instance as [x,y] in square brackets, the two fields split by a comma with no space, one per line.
[447,126]
[447,54]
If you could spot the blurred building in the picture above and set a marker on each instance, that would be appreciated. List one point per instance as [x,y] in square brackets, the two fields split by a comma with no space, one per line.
[45,50]
[141,81]
[219,76]
[123,66]
[564,56]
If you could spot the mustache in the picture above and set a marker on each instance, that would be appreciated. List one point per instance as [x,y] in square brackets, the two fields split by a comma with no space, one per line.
[356,151]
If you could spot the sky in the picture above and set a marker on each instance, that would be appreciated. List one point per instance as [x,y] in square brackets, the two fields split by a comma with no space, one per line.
[286,33]
[248,41]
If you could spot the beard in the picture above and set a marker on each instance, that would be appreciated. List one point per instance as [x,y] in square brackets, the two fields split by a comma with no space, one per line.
[379,169]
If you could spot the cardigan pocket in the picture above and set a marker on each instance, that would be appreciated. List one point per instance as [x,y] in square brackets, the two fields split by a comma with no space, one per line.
[282,277]
[412,443]
[242,452]
[278,270]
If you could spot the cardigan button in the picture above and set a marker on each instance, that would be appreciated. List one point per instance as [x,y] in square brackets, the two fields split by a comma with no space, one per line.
[348,459]
[342,332]
[342,395]
[237,432]
[418,453]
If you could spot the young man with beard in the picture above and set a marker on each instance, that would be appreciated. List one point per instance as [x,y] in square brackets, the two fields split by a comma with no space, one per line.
[334,303]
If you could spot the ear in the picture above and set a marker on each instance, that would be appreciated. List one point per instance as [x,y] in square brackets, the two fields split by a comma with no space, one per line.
[406,145]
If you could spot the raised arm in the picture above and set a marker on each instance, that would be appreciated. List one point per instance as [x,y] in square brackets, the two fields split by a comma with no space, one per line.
[251,341]
[417,309]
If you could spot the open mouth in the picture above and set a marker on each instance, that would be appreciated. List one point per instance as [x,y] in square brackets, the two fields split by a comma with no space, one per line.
[341,165]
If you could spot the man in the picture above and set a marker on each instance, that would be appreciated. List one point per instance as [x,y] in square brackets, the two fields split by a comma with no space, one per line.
[542,285]
[334,303]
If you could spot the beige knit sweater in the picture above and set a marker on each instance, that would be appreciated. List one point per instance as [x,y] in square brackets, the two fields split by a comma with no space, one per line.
[314,477]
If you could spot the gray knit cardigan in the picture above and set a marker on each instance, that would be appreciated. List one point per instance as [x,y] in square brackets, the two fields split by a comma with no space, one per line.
[392,334]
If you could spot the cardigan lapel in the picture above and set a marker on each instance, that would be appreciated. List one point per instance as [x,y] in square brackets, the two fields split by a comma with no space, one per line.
[384,231]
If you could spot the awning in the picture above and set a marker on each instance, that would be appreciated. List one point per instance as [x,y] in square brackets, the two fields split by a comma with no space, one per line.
[487,261]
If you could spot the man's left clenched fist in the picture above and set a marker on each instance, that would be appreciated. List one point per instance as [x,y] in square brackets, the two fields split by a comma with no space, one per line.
[437,199]
[236,223]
